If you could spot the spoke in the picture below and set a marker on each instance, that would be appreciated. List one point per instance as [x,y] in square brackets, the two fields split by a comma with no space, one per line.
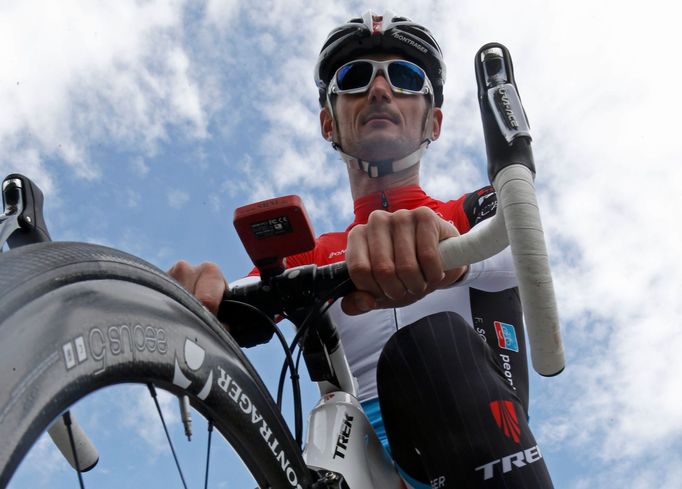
[208,451]
[67,422]
[152,391]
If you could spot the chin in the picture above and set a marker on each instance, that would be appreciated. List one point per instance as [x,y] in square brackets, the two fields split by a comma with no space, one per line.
[381,147]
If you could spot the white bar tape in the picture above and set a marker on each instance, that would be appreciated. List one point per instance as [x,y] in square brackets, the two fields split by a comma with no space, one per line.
[517,223]
[87,453]
[477,245]
[517,202]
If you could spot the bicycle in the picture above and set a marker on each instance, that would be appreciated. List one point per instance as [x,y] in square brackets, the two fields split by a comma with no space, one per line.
[77,317]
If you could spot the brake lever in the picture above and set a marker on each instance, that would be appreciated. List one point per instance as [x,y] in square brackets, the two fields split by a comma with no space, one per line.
[505,125]
[13,206]
[22,221]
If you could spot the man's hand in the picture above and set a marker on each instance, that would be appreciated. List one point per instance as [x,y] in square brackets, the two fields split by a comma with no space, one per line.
[205,281]
[393,260]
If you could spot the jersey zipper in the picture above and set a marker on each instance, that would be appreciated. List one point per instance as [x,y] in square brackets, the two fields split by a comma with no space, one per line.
[384,201]
[384,206]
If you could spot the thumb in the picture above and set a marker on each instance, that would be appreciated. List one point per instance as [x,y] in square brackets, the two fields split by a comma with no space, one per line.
[358,302]
[446,230]
[210,288]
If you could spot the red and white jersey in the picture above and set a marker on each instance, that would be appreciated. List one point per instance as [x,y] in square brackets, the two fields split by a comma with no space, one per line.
[364,336]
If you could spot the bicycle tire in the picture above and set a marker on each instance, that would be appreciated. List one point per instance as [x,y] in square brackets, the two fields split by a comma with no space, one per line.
[78,317]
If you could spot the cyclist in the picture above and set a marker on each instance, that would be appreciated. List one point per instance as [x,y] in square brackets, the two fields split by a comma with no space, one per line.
[439,355]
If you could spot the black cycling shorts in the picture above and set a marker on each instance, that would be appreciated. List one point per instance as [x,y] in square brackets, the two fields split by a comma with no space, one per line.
[454,399]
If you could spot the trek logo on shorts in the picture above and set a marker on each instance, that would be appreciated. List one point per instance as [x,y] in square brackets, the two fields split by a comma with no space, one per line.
[506,336]
[506,419]
[510,462]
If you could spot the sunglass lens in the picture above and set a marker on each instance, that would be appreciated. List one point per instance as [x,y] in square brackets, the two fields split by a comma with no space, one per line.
[406,76]
[354,75]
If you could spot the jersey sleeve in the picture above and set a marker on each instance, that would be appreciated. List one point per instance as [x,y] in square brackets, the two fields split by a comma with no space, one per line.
[491,275]
[497,272]
[471,209]
[479,205]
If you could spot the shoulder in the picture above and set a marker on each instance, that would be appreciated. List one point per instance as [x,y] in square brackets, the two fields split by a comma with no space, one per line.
[479,205]
[469,209]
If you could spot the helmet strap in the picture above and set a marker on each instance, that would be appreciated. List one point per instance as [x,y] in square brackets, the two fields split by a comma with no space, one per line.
[381,168]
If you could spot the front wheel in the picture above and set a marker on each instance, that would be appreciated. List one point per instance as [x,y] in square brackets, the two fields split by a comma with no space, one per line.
[77,318]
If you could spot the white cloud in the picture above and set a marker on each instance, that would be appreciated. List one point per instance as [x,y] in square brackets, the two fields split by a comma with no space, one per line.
[177,198]
[132,198]
[221,12]
[656,471]
[27,162]
[139,166]
[78,74]
[43,463]
[609,165]
[215,203]
[142,417]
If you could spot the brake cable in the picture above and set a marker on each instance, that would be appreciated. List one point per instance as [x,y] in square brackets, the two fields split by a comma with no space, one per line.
[319,308]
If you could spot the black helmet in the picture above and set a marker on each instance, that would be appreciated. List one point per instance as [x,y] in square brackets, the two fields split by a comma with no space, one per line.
[373,34]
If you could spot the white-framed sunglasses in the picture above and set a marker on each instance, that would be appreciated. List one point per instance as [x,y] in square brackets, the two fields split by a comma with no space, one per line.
[403,76]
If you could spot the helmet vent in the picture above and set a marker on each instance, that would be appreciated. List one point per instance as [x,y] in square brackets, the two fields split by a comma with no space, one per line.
[376,24]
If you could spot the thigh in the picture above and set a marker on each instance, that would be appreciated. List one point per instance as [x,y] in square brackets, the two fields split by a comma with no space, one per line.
[451,416]
[498,320]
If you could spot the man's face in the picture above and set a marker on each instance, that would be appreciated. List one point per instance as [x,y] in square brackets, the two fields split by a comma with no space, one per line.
[379,124]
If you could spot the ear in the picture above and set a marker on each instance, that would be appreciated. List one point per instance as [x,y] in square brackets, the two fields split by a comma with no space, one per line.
[326,123]
[436,122]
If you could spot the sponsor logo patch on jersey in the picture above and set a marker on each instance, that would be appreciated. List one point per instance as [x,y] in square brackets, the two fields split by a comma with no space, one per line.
[336,254]
[506,336]
[480,205]
[506,419]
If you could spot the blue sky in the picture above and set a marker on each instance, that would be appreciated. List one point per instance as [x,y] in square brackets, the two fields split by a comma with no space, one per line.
[147,123]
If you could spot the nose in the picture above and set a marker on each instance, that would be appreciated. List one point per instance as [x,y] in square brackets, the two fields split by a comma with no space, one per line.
[380,90]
